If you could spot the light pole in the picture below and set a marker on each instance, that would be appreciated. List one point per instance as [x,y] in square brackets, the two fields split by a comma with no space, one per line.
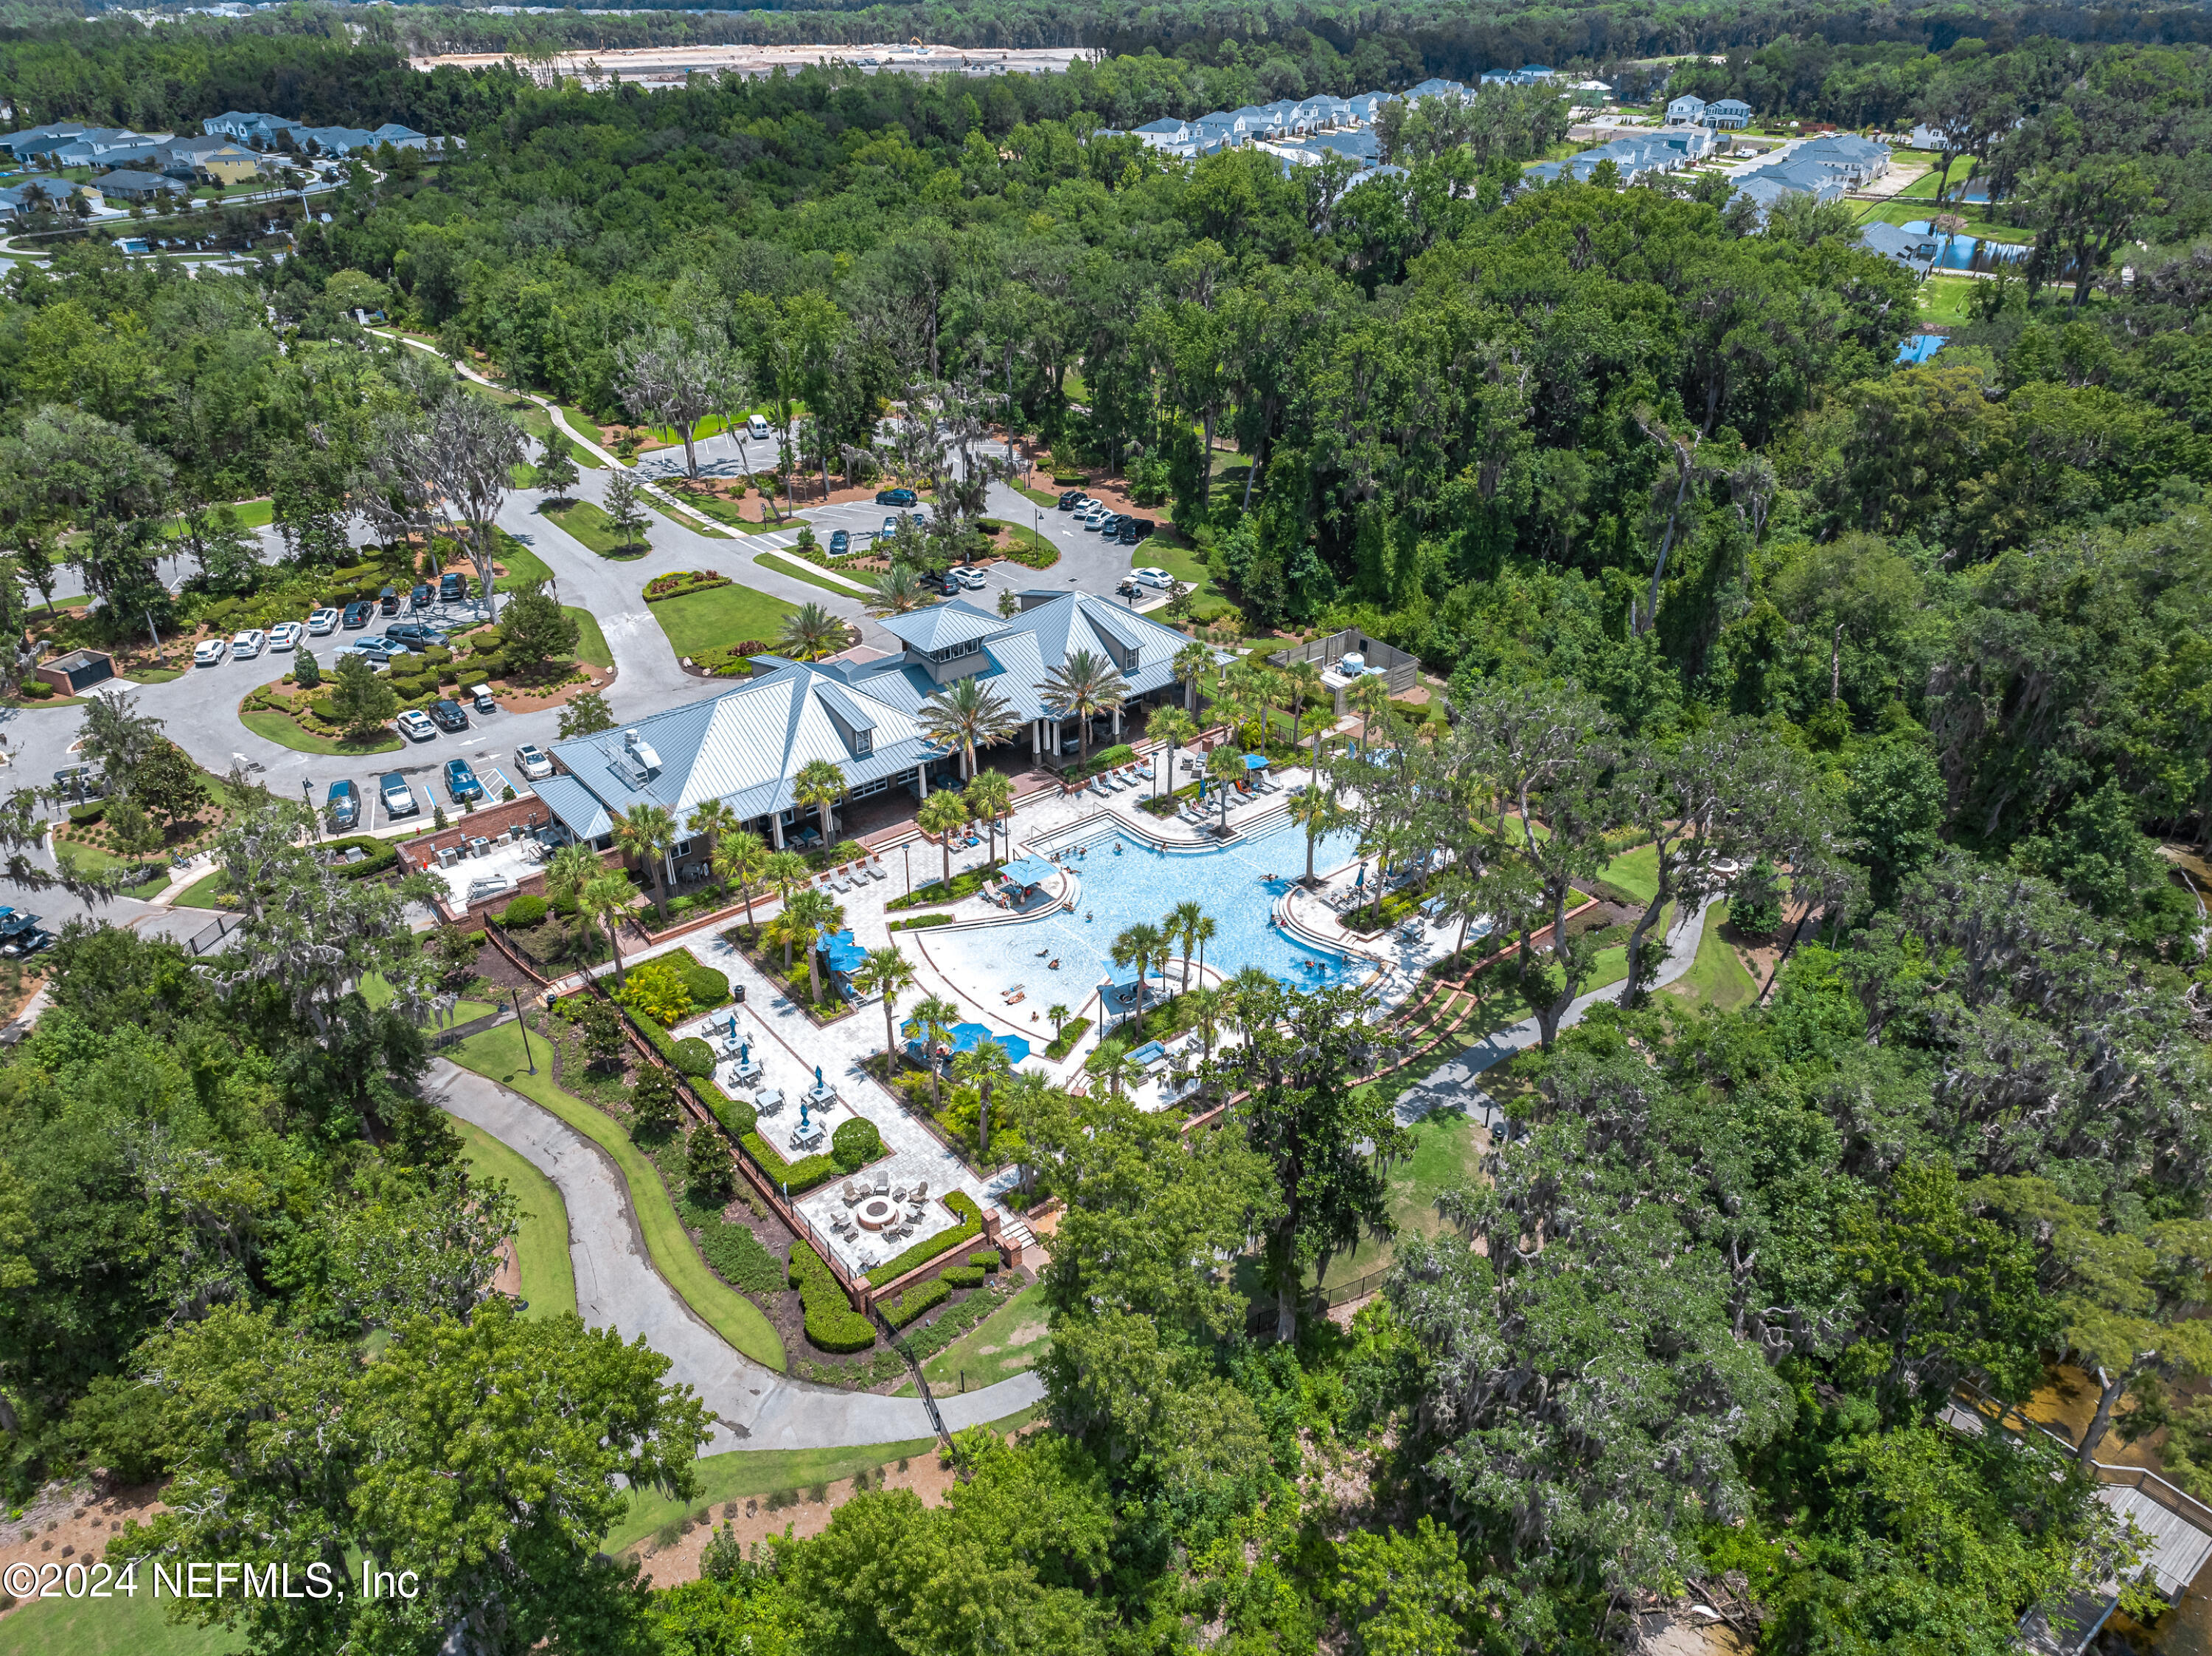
[907,848]
[524,1023]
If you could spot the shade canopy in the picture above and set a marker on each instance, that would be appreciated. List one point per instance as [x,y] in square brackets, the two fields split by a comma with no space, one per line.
[842,953]
[1255,761]
[1029,870]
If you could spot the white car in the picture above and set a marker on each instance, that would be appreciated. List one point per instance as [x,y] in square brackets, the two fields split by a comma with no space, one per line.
[286,635]
[247,645]
[968,575]
[415,724]
[1152,575]
[1096,516]
[758,428]
[211,653]
[322,621]
[535,763]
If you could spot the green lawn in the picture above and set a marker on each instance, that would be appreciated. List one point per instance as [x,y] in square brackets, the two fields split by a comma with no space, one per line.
[1924,187]
[583,423]
[499,1054]
[201,894]
[155,676]
[1636,872]
[134,1626]
[1448,1149]
[1718,978]
[541,1245]
[1944,299]
[697,524]
[378,993]
[283,731]
[1009,1340]
[1976,216]
[581,520]
[1182,563]
[806,572]
[590,642]
[699,621]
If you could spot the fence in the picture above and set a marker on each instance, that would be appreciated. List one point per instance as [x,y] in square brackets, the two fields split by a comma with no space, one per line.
[770,1189]
[207,936]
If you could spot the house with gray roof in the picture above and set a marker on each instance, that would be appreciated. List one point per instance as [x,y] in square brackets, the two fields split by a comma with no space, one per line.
[131,186]
[1729,115]
[36,139]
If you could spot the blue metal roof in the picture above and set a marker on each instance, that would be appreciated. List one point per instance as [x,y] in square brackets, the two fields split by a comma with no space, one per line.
[941,626]
[576,807]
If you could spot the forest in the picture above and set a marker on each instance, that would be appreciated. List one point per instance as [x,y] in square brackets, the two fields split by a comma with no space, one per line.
[1699,565]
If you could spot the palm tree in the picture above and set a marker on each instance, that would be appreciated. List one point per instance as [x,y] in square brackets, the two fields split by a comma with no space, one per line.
[1224,766]
[1301,682]
[810,633]
[890,975]
[897,590]
[1206,1009]
[932,1022]
[647,831]
[744,858]
[572,868]
[942,815]
[1317,811]
[712,819]
[1110,1064]
[1202,934]
[603,900]
[1192,662]
[811,912]
[990,797]
[1182,922]
[786,872]
[820,783]
[1057,1017]
[968,714]
[1085,684]
[1371,695]
[1174,727]
[986,1064]
[1140,945]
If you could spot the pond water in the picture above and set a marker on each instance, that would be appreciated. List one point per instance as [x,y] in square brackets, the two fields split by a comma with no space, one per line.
[1965,253]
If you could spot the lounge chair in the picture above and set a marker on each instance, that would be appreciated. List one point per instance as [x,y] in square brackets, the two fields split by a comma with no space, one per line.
[921,1191]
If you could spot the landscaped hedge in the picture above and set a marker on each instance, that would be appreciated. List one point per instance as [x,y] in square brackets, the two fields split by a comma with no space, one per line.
[971,1224]
[36,689]
[691,1058]
[737,1115]
[683,581]
[707,987]
[855,1143]
[803,1174]
[1063,1043]
[987,1257]
[922,1296]
[383,857]
[525,912]
[963,1275]
[90,812]
[920,923]
[832,1324]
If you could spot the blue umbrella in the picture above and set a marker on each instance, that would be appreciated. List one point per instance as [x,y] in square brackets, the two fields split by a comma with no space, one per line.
[1362,880]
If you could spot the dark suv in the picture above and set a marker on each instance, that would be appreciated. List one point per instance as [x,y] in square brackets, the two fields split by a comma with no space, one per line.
[1067,500]
[388,601]
[419,598]
[895,497]
[358,612]
[1136,528]
[419,633]
[448,715]
[452,587]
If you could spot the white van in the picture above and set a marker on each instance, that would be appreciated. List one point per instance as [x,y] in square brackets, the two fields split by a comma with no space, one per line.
[756,427]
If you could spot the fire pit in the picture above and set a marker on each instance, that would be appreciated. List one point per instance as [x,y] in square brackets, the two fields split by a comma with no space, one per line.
[875,1212]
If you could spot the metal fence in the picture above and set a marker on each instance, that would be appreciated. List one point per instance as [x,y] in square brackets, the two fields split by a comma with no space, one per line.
[209,935]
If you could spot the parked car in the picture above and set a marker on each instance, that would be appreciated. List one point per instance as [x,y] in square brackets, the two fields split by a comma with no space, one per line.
[399,800]
[80,782]
[968,576]
[419,633]
[452,587]
[1153,576]
[945,585]
[448,715]
[535,761]
[1068,502]
[840,543]
[211,652]
[460,781]
[421,596]
[1094,517]
[889,531]
[388,600]
[896,497]
[1111,529]
[415,724]
[247,645]
[758,428]
[20,935]
[357,614]
[378,648]
[322,622]
[1134,530]
[484,701]
[286,635]
[342,805]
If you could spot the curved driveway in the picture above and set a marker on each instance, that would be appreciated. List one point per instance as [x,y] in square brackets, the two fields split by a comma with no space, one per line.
[617,1287]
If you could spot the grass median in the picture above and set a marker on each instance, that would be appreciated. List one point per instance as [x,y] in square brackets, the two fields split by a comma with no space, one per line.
[498,1053]
[541,1243]
[806,572]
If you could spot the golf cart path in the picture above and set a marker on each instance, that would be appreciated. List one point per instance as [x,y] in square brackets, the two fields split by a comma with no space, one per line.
[1453,1085]
[617,1287]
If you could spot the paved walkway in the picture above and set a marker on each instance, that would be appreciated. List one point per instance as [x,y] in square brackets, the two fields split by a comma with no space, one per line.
[1453,1085]
[617,1287]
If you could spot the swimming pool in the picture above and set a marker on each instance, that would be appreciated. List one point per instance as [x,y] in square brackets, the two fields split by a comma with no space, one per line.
[1124,881]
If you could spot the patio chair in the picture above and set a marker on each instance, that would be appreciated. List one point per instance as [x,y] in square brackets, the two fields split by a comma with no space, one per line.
[921,1191]
[849,1193]
[883,1184]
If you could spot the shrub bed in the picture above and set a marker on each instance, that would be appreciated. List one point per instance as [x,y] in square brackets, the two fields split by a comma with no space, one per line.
[1070,1033]
[691,1058]
[963,1275]
[855,1143]
[382,857]
[922,1296]
[971,1225]
[920,923]
[831,1323]
[683,581]
[1038,555]
[525,912]
[963,884]
[803,1174]
[707,987]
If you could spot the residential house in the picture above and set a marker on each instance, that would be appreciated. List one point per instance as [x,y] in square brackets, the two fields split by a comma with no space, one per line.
[1915,251]
[1686,111]
[207,161]
[1163,133]
[131,186]
[1729,115]
[37,140]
